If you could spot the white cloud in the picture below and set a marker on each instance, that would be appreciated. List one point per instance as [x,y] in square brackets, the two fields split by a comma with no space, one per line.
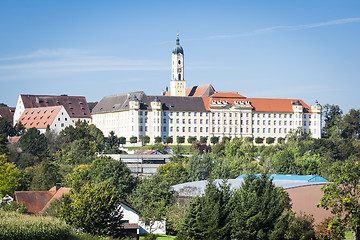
[288,28]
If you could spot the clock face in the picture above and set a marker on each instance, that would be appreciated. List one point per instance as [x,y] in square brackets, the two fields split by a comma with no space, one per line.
[179,70]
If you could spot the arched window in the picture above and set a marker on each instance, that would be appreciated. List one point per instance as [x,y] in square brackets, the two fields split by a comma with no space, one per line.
[179,76]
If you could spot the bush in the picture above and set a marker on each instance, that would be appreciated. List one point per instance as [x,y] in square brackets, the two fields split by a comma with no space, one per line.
[330,229]
[270,140]
[259,140]
[20,226]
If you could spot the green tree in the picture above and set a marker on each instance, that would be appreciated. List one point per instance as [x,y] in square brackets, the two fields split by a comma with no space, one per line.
[54,141]
[115,172]
[112,143]
[259,140]
[207,216]
[19,129]
[180,139]
[350,124]
[169,139]
[34,142]
[145,139]
[343,193]
[214,140]
[6,127]
[133,139]
[225,139]
[191,139]
[249,139]
[173,172]
[46,176]
[122,140]
[10,177]
[332,116]
[258,210]
[199,166]
[3,144]
[152,197]
[203,140]
[270,140]
[281,140]
[157,139]
[93,209]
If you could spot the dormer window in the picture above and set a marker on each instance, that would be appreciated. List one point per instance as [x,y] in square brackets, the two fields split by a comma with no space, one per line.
[219,101]
[225,102]
[213,101]
[247,102]
[241,102]
[236,102]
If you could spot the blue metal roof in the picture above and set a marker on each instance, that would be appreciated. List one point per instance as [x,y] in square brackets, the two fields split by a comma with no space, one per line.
[290,177]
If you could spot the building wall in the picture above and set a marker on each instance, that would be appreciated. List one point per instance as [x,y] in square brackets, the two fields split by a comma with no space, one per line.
[61,121]
[229,122]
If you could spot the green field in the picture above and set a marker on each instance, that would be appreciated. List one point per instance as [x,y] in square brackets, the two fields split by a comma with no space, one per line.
[162,237]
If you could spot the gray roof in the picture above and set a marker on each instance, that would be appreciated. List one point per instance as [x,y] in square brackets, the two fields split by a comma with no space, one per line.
[192,189]
[116,103]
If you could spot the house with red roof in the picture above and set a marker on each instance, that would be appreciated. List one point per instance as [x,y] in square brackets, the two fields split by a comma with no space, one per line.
[55,117]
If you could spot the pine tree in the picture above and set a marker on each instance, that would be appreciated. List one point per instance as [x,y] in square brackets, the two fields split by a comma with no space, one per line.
[258,210]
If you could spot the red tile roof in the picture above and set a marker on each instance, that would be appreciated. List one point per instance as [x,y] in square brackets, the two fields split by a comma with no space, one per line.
[227,95]
[38,201]
[39,117]
[76,106]
[276,105]
[7,112]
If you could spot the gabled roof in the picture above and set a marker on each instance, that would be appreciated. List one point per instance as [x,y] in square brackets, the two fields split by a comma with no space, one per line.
[38,201]
[120,102]
[197,91]
[276,104]
[39,117]
[8,113]
[76,106]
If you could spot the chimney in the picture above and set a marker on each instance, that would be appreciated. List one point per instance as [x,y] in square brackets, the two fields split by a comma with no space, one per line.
[57,186]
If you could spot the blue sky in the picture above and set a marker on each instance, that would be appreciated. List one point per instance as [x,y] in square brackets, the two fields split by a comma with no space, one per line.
[277,49]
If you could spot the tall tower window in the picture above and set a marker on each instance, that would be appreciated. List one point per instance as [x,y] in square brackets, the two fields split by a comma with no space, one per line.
[179,61]
[179,76]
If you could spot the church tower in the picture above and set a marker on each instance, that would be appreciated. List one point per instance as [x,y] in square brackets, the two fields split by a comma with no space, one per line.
[177,84]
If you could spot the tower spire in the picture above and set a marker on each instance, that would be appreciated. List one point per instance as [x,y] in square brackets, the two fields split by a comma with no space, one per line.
[177,84]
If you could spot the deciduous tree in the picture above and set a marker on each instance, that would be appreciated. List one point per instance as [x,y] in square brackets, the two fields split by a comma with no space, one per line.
[343,193]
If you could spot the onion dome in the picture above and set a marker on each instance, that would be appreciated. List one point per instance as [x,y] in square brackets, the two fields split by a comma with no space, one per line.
[178,49]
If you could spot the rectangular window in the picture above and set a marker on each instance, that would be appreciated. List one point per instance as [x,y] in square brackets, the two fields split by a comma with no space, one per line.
[141,128]
[183,114]
[290,123]
[274,130]
[171,120]
[177,113]
[141,120]
[279,122]
[247,122]
[285,123]
[274,115]
[195,129]
[224,121]
[279,130]
[200,129]
[207,121]
[171,129]
[189,114]
[269,122]
[195,121]
[263,130]
[145,128]
[164,120]
[189,129]
[177,129]
[140,113]
[236,122]
[183,129]
[258,122]
[201,114]
[183,121]
[284,130]
[201,121]
[258,130]
[230,122]
[264,122]
[274,122]
[164,129]
[189,121]
[177,120]
[269,130]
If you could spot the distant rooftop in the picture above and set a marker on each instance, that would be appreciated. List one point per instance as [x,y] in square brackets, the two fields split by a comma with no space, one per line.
[308,178]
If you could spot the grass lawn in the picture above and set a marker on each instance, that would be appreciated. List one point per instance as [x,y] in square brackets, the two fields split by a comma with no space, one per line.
[349,235]
[161,236]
